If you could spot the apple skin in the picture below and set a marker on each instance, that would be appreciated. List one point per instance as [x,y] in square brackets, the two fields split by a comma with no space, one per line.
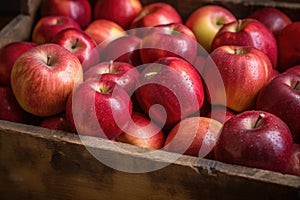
[206,21]
[248,32]
[221,113]
[289,47]
[101,109]
[102,30]
[55,122]
[47,27]
[79,10]
[142,132]
[123,49]
[110,9]
[168,40]
[281,97]
[124,74]
[199,63]
[69,115]
[274,73]
[156,14]
[43,77]
[10,108]
[246,67]
[274,19]
[172,83]
[8,55]
[194,136]
[78,43]
[293,167]
[293,70]
[256,139]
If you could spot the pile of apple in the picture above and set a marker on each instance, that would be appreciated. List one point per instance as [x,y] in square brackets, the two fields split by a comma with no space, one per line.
[210,86]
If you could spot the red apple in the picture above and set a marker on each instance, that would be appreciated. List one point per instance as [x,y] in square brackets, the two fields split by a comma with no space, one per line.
[79,44]
[221,113]
[289,47]
[294,164]
[69,115]
[244,71]
[47,27]
[194,136]
[274,19]
[281,97]
[8,55]
[10,110]
[142,132]
[124,74]
[120,12]
[168,40]
[175,85]
[123,49]
[101,109]
[156,14]
[55,122]
[293,70]
[79,10]
[43,77]
[206,107]
[206,21]
[255,139]
[199,63]
[248,32]
[274,73]
[102,30]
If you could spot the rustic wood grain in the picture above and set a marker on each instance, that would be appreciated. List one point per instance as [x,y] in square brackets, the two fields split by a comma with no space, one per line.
[20,28]
[38,163]
[15,30]
[29,7]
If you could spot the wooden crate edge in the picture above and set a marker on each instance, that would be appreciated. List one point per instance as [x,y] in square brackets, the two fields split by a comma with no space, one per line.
[210,167]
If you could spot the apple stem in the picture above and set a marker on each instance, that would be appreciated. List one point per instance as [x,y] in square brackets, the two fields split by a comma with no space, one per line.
[75,44]
[110,65]
[105,90]
[235,51]
[296,85]
[239,25]
[260,117]
[48,60]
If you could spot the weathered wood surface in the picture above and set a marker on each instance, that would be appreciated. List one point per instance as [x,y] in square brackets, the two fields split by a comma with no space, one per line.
[20,28]
[37,163]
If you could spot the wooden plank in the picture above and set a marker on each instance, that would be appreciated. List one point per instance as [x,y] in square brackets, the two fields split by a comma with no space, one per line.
[19,28]
[29,7]
[5,19]
[44,164]
[15,30]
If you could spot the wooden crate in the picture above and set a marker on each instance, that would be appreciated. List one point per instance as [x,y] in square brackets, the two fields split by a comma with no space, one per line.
[38,163]
[20,27]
